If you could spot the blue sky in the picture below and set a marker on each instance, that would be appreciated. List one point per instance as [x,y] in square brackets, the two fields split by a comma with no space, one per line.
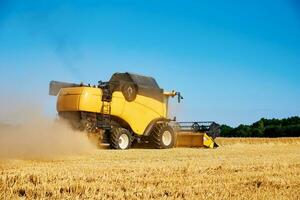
[233,61]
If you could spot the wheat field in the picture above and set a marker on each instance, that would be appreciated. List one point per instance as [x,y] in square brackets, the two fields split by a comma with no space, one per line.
[238,169]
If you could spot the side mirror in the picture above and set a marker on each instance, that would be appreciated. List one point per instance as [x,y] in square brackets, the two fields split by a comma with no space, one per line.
[179,96]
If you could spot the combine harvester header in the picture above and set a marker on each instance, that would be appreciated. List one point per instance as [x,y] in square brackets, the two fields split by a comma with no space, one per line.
[127,109]
[197,134]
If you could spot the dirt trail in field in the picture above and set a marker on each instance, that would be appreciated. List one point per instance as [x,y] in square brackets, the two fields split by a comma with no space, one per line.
[40,137]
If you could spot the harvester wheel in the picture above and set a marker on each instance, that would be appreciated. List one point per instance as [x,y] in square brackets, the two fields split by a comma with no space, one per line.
[163,136]
[120,138]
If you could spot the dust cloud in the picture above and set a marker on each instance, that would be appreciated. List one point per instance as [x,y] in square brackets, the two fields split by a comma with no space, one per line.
[43,138]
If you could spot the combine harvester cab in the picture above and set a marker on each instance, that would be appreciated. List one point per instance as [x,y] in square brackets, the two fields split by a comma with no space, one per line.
[129,108]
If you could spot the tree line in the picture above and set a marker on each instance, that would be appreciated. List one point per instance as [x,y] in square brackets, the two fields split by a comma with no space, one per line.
[287,127]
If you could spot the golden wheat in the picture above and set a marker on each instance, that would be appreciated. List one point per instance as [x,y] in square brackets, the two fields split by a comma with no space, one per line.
[238,169]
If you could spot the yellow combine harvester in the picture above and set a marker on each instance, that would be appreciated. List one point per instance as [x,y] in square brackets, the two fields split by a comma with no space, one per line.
[129,108]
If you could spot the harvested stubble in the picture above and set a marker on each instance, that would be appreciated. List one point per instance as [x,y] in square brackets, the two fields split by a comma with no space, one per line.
[240,169]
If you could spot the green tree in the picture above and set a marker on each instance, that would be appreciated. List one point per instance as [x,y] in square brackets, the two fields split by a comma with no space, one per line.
[288,127]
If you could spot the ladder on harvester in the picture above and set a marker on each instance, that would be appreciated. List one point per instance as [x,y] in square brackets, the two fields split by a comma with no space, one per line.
[104,119]
[105,115]
[106,109]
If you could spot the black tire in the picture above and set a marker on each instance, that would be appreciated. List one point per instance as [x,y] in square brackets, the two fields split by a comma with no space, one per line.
[129,91]
[118,139]
[158,133]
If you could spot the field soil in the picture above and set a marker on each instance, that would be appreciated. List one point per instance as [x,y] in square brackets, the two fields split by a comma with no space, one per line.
[238,169]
